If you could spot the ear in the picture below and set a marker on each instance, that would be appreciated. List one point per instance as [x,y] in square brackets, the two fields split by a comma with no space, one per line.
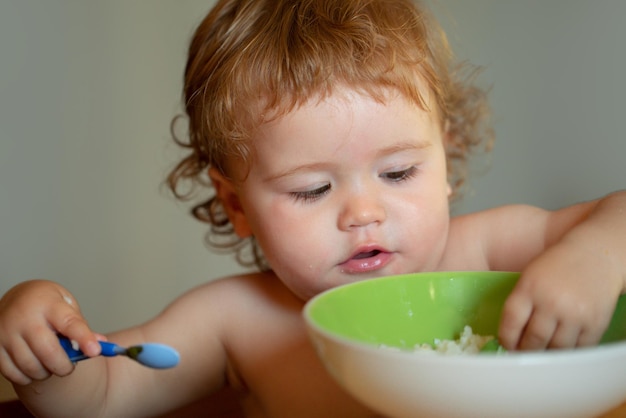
[227,194]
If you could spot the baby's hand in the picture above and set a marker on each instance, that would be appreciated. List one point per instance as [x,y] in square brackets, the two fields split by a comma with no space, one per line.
[565,298]
[31,315]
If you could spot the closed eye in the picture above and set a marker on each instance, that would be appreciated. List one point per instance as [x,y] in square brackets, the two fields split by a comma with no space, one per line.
[401,175]
[311,195]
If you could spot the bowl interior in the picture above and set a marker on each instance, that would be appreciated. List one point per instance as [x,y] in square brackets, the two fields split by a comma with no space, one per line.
[402,311]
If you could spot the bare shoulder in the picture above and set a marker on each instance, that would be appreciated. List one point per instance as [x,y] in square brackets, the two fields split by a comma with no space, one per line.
[239,294]
[256,311]
[508,237]
[219,309]
[482,240]
[499,220]
[237,307]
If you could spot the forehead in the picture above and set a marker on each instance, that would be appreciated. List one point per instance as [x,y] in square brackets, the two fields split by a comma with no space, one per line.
[344,102]
[425,99]
[285,120]
[349,123]
[348,107]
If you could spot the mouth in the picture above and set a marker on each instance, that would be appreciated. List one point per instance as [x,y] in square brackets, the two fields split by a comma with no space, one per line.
[368,254]
[366,260]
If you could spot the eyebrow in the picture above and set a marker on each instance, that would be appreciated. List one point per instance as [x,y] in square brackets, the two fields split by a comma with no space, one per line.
[403,146]
[383,152]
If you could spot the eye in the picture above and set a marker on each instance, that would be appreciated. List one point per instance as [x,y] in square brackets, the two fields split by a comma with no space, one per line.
[311,195]
[400,175]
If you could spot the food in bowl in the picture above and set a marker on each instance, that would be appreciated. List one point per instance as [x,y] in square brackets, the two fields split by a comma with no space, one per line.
[349,324]
[466,343]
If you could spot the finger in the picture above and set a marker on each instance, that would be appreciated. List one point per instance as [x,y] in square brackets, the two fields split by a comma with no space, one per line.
[515,315]
[70,323]
[589,337]
[10,371]
[592,332]
[25,360]
[565,336]
[46,347]
[538,332]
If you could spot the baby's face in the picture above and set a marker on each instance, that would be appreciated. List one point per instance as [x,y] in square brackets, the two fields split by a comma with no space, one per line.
[347,189]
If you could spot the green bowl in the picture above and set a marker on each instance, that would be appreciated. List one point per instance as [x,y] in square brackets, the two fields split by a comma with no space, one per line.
[349,325]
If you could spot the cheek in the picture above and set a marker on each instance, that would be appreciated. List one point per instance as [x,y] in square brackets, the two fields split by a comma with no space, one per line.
[296,248]
[286,238]
[432,237]
[424,219]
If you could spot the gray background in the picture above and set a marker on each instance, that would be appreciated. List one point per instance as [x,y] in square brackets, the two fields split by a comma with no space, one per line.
[87,91]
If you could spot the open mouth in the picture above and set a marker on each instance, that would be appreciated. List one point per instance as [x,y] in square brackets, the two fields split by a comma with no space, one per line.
[367,261]
[368,254]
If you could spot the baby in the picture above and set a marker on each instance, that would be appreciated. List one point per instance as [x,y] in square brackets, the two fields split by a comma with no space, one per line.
[334,134]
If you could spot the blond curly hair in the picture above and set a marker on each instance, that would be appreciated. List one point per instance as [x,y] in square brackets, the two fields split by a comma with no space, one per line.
[251,58]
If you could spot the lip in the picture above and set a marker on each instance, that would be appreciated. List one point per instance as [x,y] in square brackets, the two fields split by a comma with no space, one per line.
[366,259]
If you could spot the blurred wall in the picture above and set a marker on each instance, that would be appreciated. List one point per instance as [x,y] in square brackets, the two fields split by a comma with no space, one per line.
[556,69]
[87,93]
[88,89]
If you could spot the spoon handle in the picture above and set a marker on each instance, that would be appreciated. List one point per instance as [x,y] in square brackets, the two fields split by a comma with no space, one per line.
[108,349]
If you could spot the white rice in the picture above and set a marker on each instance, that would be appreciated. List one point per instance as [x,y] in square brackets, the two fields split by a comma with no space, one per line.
[467,343]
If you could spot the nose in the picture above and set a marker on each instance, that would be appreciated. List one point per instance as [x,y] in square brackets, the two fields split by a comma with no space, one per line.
[361,210]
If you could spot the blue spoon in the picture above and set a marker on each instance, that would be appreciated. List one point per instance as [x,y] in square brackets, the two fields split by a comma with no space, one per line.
[156,356]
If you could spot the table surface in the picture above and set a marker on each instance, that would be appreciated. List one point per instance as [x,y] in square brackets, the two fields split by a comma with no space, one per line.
[619,412]
[7,391]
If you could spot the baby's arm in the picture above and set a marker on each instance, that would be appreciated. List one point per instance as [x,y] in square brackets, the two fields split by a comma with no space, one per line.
[566,295]
[33,312]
